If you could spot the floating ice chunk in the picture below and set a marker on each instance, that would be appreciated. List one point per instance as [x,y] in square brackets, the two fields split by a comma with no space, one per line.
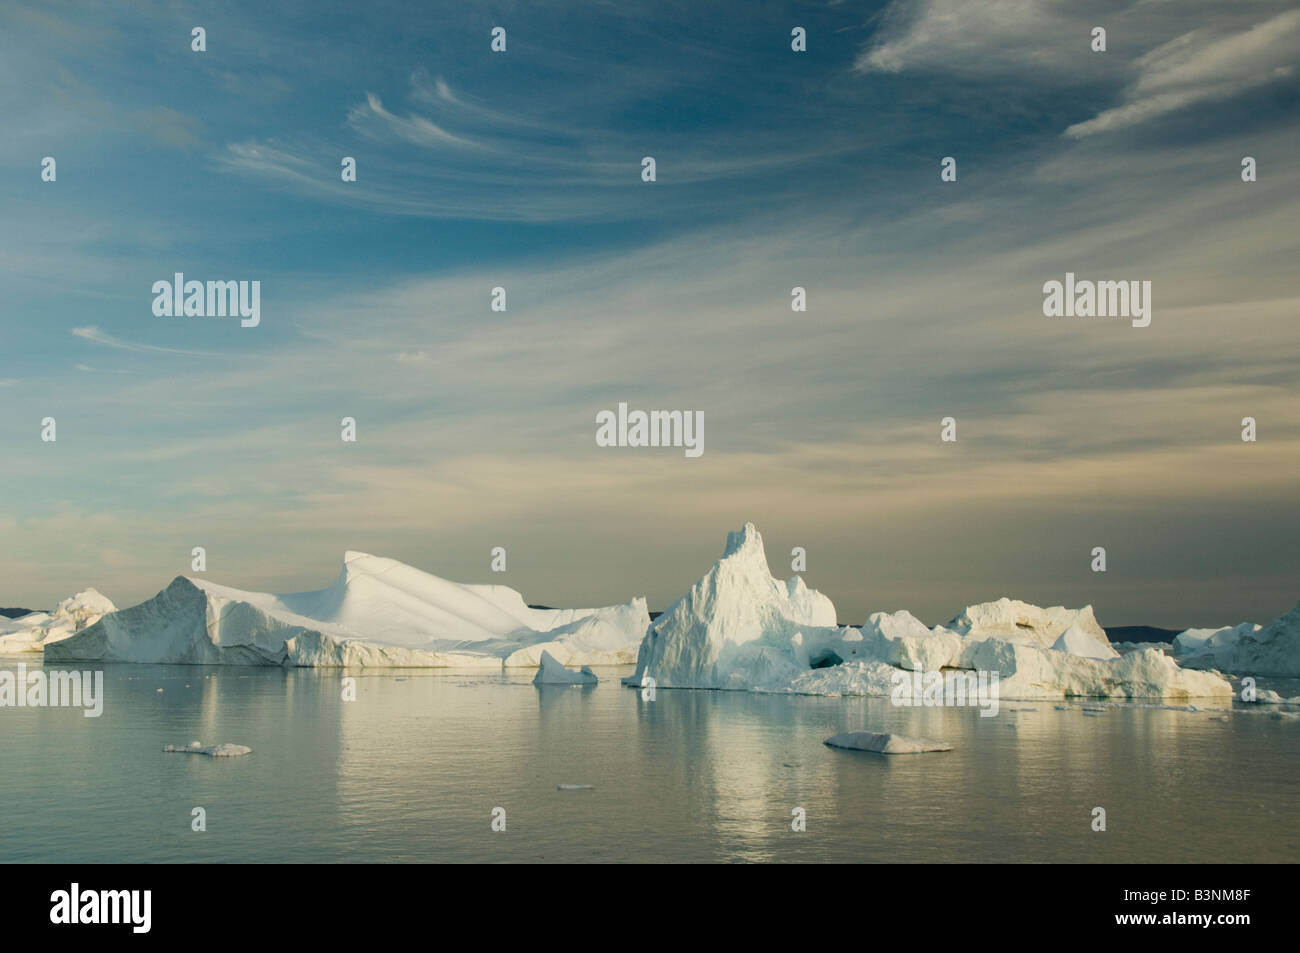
[212,751]
[553,673]
[884,743]
[574,787]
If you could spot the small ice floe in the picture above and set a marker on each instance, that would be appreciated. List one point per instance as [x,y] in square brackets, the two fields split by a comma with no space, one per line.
[553,673]
[574,787]
[884,743]
[212,751]
[159,690]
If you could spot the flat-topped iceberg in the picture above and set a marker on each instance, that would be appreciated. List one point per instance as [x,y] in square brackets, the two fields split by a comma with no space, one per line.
[378,612]
[739,628]
[32,632]
[1245,649]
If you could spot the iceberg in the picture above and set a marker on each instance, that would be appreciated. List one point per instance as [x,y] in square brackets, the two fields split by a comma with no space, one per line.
[32,632]
[884,743]
[378,613]
[1209,641]
[740,628]
[1245,649]
[553,673]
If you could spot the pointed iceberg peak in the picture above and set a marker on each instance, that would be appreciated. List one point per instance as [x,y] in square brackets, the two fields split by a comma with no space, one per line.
[355,563]
[746,539]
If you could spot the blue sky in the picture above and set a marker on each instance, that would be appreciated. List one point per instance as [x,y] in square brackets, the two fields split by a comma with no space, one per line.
[775,169]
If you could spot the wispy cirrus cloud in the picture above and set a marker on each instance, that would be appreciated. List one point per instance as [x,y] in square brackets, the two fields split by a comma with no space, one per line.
[1202,66]
[97,336]
[373,120]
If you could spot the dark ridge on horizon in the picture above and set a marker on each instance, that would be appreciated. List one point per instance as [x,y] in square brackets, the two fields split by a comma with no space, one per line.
[1140,633]
[17,613]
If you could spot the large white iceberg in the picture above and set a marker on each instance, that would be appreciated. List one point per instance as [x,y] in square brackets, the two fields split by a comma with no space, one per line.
[32,632]
[739,628]
[1246,649]
[378,612]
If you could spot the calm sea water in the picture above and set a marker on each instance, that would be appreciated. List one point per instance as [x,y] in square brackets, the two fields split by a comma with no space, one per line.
[412,770]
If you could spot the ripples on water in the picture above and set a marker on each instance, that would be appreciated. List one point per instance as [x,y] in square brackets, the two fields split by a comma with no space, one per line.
[412,770]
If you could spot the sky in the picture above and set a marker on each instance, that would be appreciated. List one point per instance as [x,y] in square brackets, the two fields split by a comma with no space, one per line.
[774,169]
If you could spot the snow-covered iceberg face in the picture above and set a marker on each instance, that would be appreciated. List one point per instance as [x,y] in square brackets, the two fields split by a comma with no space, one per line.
[31,633]
[902,640]
[1077,641]
[378,612]
[1014,621]
[738,624]
[1246,649]
[739,628]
